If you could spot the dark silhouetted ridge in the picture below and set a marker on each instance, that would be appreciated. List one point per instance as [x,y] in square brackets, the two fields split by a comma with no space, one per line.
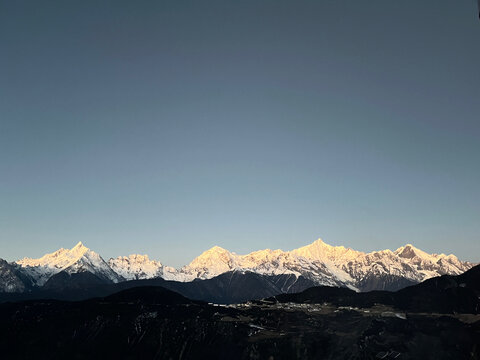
[148,295]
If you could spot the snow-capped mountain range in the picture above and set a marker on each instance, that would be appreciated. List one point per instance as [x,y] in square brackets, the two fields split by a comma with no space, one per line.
[76,260]
[318,262]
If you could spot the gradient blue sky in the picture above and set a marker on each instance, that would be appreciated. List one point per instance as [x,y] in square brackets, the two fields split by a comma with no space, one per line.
[167,127]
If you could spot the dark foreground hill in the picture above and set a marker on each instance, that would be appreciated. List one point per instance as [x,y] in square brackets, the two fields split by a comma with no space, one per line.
[445,294]
[320,323]
[230,287]
[155,323]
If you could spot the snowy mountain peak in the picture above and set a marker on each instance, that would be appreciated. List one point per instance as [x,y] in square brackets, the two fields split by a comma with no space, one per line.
[79,250]
[215,253]
[409,252]
[214,261]
[58,259]
[319,250]
[211,256]
[320,262]
[79,246]
[216,250]
[78,259]
[140,258]
[320,244]
[135,267]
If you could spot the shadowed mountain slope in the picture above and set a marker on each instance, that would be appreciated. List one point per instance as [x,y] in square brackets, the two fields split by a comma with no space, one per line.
[444,294]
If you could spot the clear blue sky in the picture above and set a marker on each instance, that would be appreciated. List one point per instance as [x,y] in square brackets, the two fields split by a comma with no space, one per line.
[167,127]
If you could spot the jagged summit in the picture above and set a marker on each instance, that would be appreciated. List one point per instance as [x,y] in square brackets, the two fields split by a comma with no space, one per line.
[78,259]
[319,262]
[136,267]
[319,250]
[79,246]
[60,258]
[409,252]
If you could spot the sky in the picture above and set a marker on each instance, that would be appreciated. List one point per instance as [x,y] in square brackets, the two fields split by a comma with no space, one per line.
[168,127]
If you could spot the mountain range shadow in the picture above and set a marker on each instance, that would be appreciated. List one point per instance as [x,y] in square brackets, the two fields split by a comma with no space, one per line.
[443,294]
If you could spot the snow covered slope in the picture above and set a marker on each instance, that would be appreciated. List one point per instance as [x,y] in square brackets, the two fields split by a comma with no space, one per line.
[137,267]
[217,261]
[331,265]
[76,260]
[318,262]
[11,280]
